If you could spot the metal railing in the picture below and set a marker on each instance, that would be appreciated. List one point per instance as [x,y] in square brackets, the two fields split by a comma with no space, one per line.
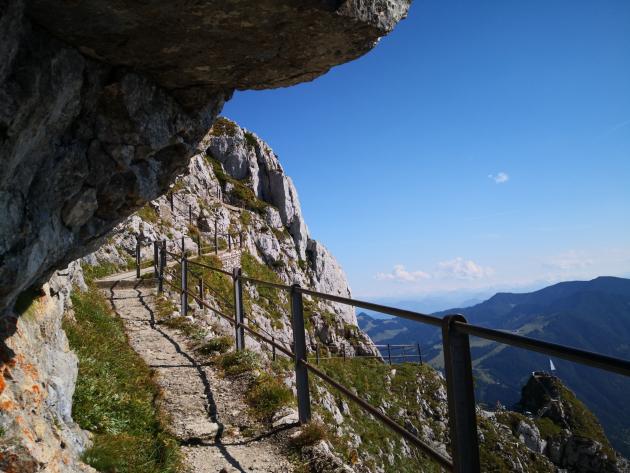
[455,342]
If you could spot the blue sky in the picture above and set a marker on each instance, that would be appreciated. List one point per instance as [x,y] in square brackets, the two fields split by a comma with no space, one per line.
[481,144]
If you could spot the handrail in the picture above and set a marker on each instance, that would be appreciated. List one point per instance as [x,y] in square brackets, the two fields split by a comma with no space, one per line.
[457,358]
[584,357]
[434,454]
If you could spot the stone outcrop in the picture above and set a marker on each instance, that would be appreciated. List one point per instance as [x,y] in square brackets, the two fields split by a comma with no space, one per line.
[573,438]
[37,380]
[232,185]
[102,104]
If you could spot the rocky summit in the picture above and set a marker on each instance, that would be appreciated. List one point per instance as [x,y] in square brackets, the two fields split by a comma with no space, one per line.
[103,104]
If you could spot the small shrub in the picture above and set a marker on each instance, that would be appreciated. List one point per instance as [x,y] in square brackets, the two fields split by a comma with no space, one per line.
[250,139]
[216,345]
[268,395]
[310,434]
[223,126]
[238,362]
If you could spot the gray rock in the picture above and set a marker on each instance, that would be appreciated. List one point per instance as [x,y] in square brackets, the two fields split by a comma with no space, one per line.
[98,116]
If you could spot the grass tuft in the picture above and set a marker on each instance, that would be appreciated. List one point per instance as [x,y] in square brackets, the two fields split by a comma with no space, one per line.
[239,362]
[216,345]
[310,434]
[267,395]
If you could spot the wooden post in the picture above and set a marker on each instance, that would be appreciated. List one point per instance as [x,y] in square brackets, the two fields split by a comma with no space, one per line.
[461,397]
[299,340]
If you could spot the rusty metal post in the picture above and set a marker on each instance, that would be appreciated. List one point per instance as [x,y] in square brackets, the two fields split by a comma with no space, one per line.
[299,340]
[461,397]
[184,298]
[239,317]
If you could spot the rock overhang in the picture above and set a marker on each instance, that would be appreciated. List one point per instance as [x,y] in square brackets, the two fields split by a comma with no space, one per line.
[198,48]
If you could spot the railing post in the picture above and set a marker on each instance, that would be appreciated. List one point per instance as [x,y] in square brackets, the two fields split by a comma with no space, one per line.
[461,397]
[171,199]
[162,266]
[156,259]
[389,354]
[240,240]
[138,259]
[199,245]
[184,298]
[216,238]
[229,242]
[239,318]
[299,341]
[273,348]
[419,355]
[183,245]
[189,214]
[317,353]
[201,289]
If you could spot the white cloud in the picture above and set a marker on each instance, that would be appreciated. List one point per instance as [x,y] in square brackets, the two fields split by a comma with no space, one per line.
[569,261]
[459,268]
[499,178]
[399,273]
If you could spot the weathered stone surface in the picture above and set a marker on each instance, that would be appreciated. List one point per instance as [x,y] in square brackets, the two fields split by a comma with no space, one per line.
[37,378]
[199,48]
[102,104]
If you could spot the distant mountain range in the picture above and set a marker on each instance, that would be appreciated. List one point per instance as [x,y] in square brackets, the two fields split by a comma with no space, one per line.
[592,315]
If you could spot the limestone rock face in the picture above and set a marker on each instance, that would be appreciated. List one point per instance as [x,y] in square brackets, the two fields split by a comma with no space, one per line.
[37,379]
[199,48]
[102,104]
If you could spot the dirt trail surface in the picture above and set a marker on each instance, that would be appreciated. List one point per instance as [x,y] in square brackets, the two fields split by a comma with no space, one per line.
[207,412]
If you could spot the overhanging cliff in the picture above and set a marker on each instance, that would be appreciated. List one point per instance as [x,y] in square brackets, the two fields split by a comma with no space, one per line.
[103,103]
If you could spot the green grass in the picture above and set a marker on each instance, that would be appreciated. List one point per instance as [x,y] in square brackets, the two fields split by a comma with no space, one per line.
[267,395]
[216,345]
[148,214]
[223,126]
[239,362]
[274,304]
[250,140]
[90,273]
[116,394]
[310,434]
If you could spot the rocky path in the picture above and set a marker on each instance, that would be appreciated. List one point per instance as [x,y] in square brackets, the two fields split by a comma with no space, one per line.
[207,413]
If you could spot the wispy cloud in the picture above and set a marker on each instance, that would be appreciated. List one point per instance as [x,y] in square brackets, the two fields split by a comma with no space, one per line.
[499,178]
[569,260]
[460,268]
[399,273]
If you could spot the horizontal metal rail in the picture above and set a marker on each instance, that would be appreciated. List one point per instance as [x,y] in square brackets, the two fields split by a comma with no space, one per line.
[197,263]
[405,314]
[266,283]
[596,360]
[392,424]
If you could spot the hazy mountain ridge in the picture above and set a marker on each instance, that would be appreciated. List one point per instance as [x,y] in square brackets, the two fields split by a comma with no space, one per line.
[592,315]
